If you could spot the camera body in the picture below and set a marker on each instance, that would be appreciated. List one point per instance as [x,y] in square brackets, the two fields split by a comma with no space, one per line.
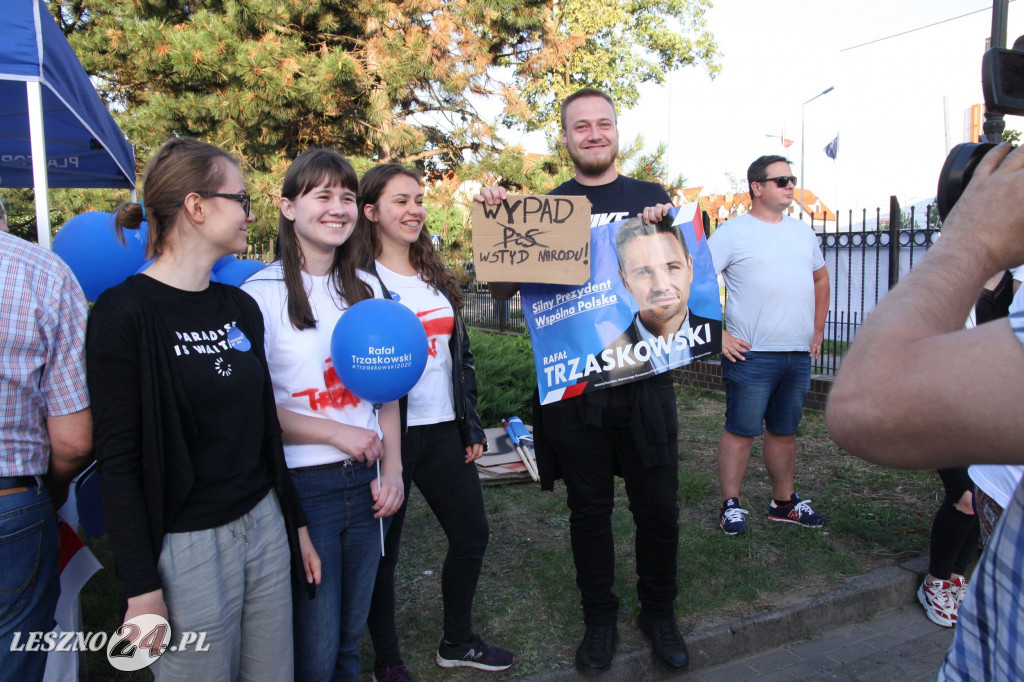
[1002,84]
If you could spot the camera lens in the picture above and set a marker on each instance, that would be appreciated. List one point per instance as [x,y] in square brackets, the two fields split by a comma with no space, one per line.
[956,173]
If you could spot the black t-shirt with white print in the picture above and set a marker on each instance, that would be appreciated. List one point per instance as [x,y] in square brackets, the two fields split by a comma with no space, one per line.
[223,382]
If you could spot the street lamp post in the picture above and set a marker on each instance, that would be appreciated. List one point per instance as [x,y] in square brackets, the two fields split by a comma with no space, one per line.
[803,173]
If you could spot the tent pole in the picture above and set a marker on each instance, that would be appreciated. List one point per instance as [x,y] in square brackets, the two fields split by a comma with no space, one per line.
[39,180]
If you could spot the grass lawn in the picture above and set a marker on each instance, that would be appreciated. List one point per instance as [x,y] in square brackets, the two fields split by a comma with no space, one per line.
[527,599]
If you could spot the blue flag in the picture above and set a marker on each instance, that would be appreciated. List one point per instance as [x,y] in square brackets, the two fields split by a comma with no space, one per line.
[832,148]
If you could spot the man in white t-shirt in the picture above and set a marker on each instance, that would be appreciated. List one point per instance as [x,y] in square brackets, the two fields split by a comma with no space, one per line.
[778,290]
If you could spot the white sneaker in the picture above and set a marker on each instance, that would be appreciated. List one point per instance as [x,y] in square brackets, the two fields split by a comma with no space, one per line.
[959,587]
[936,598]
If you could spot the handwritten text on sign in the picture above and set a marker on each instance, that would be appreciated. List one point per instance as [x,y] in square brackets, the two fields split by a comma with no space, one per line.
[532,239]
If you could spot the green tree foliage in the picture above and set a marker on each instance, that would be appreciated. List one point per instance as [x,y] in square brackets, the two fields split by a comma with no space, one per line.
[505,375]
[614,45]
[381,80]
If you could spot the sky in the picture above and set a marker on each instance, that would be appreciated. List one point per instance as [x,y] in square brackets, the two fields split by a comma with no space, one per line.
[889,107]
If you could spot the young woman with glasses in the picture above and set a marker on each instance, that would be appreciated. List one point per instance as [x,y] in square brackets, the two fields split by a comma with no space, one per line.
[203,519]
[443,436]
[332,438]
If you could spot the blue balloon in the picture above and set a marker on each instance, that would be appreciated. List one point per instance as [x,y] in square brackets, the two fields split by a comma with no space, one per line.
[235,271]
[379,350]
[89,245]
[146,265]
[230,258]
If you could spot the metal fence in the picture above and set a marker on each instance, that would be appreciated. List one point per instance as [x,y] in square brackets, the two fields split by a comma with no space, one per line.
[480,310]
[864,258]
[866,254]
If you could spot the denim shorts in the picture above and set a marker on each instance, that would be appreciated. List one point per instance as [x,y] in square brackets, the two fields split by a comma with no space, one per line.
[766,391]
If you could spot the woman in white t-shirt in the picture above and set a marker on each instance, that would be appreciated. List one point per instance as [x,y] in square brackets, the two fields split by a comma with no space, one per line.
[442,436]
[332,437]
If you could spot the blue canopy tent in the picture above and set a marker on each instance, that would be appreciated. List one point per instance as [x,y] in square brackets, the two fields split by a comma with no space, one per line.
[48,102]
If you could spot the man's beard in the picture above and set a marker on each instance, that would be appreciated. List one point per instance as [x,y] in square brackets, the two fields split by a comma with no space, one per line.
[595,165]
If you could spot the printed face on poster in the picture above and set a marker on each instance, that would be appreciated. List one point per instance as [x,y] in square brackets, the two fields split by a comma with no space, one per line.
[532,239]
[651,304]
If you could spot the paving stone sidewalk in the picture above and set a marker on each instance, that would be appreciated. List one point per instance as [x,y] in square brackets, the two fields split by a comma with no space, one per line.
[899,645]
[869,629]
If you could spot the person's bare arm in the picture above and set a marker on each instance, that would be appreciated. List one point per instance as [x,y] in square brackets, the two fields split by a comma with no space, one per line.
[822,290]
[916,389]
[362,444]
[70,451]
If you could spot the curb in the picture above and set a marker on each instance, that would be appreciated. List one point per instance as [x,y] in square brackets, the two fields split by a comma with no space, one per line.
[861,598]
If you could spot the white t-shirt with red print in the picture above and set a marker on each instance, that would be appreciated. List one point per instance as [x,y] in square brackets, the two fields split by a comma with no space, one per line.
[431,400]
[304,377]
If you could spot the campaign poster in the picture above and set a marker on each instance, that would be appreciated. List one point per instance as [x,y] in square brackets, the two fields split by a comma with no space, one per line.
[651,305]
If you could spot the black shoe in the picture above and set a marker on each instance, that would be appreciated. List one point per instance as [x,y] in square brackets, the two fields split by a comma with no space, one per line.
[668,645]
[594,654]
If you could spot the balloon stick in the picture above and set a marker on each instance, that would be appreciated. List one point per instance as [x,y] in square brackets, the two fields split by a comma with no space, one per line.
[376,409]
[381,518]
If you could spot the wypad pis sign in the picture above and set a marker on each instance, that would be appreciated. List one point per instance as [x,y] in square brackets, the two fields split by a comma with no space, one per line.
[531,238]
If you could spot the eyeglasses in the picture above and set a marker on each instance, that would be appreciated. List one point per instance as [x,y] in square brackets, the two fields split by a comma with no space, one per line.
[781,182]
[244,199]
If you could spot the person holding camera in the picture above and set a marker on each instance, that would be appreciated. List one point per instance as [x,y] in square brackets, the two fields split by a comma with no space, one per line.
[778,291]
[918,391]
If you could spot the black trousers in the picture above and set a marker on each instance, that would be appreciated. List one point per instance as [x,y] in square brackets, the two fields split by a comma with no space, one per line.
[434,458]
[589,459]
[954,542]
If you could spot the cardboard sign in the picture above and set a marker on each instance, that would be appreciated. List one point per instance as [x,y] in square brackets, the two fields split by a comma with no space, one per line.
[530,238]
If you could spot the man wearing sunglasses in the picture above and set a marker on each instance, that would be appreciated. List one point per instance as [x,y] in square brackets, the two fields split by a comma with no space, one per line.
[777,299]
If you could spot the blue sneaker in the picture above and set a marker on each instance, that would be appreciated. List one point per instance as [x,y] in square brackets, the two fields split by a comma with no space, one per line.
[475,654]
[797,511]
[731,517]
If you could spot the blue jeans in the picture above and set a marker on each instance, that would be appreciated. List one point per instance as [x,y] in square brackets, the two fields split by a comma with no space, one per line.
[29,583]
[339,512]
[766,391]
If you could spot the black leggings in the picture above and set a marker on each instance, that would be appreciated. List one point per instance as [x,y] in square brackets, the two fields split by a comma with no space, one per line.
[954,533]
[434,458]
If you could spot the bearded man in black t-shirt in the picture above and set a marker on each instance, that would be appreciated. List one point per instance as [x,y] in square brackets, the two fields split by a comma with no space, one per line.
[629,429]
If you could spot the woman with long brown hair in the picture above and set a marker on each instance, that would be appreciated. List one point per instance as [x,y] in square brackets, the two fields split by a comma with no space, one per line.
[332,437]
[442,437]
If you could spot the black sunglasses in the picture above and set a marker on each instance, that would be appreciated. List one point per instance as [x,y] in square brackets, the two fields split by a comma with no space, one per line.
[781,182]
[244,199]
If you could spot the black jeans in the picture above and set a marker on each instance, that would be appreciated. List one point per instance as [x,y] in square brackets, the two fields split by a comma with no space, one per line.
[954,534]
[589,459]
[434,458]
